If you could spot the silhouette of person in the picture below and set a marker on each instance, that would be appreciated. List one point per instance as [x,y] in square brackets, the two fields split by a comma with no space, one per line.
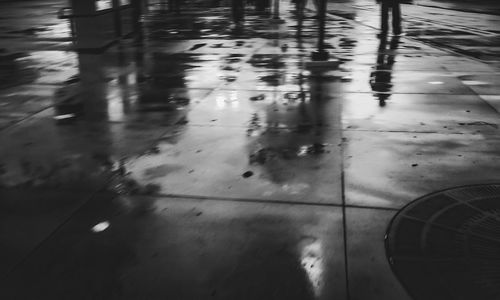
[381,77]
[394,6]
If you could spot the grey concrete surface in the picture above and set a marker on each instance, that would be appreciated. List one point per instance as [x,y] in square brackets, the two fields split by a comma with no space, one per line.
[211,162]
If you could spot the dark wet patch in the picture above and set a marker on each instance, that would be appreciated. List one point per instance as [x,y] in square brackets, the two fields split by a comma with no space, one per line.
[228,78]
[152,150]
[128,186]
[273,79]
[157,99]
[479,123]
[258,97]
[69,104]
[247,174]
[347,15]
[269,61]
[30,31]
[159,171]
[347,43]
[229,68]
[197,46]
[182,121]
[294,96]
[15,72]
[254,125]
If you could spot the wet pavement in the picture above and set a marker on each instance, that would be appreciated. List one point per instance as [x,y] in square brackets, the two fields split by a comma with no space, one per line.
[211,162]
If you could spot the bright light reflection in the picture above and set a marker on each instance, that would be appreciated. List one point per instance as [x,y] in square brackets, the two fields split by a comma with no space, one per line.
[63,117]
[131,78]
[435,82]
[100,227]
[220,102]
[473,82]
[233,96]
[491,97]
[115,108]
[312,261]
[302,151]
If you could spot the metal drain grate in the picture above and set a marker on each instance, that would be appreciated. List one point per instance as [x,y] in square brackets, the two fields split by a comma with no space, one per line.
[446,245]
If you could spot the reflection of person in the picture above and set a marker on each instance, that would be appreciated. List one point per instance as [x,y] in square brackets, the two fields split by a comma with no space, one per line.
[381,77]
[175,5]
[238,11]
[300,6]
[261,5]
[394,6]
[295,129]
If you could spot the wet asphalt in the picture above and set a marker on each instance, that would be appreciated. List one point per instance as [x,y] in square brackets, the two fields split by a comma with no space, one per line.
[208,161]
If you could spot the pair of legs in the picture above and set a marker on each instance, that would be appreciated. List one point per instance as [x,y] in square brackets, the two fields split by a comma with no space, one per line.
[395,8]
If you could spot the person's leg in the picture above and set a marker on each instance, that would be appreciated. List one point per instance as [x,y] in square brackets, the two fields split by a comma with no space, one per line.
[178,6]
[241,9]
[238,11]
[301,5]
[259,5]
[396,17]
[299,11]
[234,10]
[384,17]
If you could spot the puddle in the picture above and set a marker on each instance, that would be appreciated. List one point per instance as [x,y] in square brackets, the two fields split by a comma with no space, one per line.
[265,155]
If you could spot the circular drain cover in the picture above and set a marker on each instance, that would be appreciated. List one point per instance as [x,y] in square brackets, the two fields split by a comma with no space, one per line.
[446,245]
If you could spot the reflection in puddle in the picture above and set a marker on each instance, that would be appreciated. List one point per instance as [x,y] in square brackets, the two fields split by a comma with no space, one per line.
[100,227]
[312,261]
[223,101]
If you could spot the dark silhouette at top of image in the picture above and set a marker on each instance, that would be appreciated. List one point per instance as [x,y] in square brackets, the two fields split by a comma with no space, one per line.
[394,7]
[381,76]
[175,6]
[238,11]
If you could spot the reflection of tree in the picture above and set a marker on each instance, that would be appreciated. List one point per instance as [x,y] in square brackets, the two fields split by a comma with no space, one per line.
[381,77]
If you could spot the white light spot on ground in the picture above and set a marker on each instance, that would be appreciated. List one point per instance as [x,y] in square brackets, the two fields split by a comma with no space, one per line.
[491,97]
[436,82]
[220,102]
[63,117]
[295,188]
[103,4]
[473,82]
[100,227]
[312,262]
